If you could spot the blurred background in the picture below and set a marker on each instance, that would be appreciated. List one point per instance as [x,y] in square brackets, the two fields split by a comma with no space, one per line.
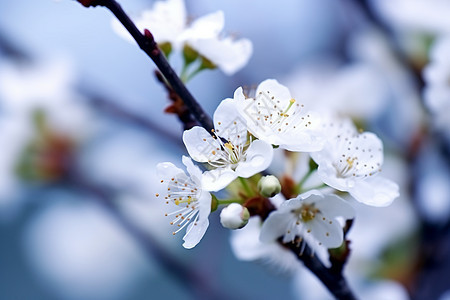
[82,128]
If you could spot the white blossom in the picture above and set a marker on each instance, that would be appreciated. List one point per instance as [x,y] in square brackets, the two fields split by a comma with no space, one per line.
[168,23]
[346,92]
[275,117]
[190,202]
[421,16]
[349,162]
[230,152]
[310,215]
[437,78]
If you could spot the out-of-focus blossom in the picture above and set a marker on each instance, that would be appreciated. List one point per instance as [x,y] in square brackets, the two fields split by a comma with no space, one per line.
[404,116]
[231,152]
[275,117]
[347,89]
[430,16]
[39,116]
[433,189]
[189,202]
[350,161]
[125,161]
[48,86]
[310,214]
[437,78]
[79,252]
[169,24]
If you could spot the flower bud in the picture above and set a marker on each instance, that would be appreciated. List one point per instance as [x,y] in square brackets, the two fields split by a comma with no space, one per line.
[269,186]
[234,216]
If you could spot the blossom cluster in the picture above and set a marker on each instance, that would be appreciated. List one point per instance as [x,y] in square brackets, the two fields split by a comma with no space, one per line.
[248,130]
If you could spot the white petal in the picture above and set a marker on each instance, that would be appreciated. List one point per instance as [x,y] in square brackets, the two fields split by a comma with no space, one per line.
[330,235]
[376,191]
[192,169]
[291,204]
[275,226]
[167,170]
[217,179]
[226,53]
[258,157]
[166,20]
[239,95]
[273,88]
[194,233]
[274,117]
[303,141]
[200,145]
[327,173]
[229,124]
[332,206]
[206,27]
[204,206]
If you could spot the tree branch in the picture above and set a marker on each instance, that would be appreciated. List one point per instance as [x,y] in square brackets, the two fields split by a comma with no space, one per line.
[147,43]
[334,282]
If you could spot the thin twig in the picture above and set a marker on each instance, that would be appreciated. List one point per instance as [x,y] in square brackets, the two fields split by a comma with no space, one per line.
[147,43]
[117,111]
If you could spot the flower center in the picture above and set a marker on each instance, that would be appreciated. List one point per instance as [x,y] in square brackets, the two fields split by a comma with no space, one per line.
[306,213]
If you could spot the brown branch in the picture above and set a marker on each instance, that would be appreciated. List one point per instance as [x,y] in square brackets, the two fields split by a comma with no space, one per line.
[147,43]
[334,281]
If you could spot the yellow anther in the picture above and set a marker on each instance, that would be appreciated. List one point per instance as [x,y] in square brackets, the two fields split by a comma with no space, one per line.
[229,146]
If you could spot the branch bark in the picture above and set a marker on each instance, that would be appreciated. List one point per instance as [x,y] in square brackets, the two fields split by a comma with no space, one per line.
[147,43]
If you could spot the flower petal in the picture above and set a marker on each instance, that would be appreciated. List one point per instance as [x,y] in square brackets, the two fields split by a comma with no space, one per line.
[258,157]
[192,169]
[167,20]
[330,235]
[217,179]
[201,146]
[275,226]
[375,191]
[167,170]
[332,206]
[229,124]
[194,233]
[206,27]
[274,88]
[226,53]
[204,206]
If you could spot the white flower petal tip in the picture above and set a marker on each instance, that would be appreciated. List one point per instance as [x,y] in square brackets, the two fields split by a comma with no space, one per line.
[275,117]
[311,216]
[230,152]
[190,203]
[351,161]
